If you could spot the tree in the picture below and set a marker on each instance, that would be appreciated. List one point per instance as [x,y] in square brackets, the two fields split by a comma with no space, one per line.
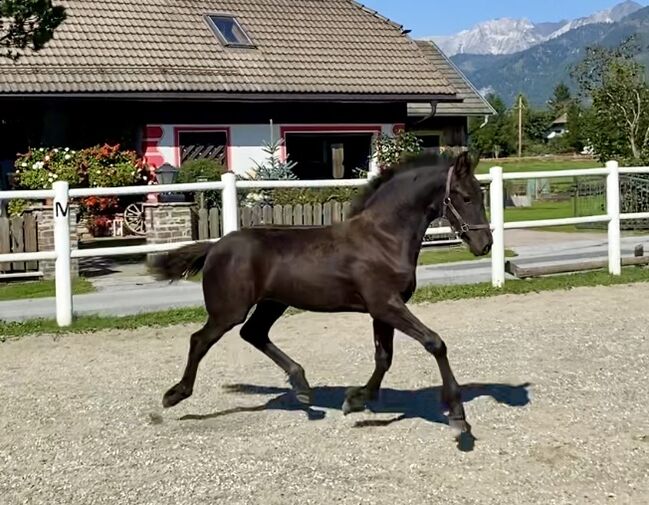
[578,132]
[27,23]
[615,83]
[497,137]
[560,101]
[535,122]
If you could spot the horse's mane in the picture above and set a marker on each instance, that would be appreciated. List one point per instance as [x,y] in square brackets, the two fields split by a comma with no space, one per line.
[360,201]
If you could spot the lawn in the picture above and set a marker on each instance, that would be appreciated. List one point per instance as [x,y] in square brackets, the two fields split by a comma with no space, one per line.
[536,164]
[546,209]
[451,255]
[40,289]
[429,294]
[541,210]
[550,210]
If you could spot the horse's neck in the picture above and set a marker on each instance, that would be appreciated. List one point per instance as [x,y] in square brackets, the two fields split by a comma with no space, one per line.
[405,214]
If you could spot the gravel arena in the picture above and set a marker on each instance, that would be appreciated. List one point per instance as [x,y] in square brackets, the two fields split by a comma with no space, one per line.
[555,384]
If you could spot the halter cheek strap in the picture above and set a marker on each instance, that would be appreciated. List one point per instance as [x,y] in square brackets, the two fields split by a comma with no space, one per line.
[448,205]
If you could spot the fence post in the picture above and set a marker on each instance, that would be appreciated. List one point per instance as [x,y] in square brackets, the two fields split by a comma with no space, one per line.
[613,210]
[63,279]
[496,201]
[374,170]
[230,203]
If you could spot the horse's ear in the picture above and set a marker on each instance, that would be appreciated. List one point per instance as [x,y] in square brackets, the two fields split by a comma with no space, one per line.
[464,165]
[475,161]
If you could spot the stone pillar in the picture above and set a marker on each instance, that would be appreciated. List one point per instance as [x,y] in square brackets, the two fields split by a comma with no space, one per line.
[45,235]
[170,222]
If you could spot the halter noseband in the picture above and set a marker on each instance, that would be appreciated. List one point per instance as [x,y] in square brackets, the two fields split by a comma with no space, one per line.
[448,205]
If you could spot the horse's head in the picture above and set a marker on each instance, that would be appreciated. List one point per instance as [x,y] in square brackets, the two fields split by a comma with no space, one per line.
[464,205]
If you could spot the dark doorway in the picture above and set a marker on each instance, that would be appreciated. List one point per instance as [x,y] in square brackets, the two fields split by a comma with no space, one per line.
[313,153]
[430,142]
[14,140]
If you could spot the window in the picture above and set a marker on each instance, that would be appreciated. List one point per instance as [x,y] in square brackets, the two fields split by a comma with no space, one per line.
[202,145]
[229,31]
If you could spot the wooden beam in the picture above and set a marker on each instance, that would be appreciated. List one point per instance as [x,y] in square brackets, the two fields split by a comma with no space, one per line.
[528,272]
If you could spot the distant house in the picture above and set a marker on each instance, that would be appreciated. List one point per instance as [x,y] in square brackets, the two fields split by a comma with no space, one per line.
[181,79]
[559,127]
[449,124]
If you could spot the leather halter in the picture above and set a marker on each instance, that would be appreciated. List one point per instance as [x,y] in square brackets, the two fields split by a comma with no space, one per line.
[448,205]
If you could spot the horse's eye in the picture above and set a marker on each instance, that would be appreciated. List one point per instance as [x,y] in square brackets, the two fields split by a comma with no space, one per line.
[467,199]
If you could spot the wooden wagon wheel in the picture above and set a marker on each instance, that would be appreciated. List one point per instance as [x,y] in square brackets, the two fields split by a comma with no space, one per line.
[134,218]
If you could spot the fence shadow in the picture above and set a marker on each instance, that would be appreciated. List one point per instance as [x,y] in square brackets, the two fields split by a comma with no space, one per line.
[405,404]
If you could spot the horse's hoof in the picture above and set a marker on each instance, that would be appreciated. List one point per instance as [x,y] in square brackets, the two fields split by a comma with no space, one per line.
[354,401]
[304,397]
[459,425]
[174,396]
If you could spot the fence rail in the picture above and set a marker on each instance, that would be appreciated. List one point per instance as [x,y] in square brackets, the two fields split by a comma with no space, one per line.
[219,223]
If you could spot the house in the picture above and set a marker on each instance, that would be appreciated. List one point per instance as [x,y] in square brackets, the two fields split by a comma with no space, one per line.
[180,79]
[559,127]
[449,125]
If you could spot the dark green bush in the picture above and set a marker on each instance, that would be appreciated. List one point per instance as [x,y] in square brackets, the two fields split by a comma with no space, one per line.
[194,170]
[311,196]
[191,171]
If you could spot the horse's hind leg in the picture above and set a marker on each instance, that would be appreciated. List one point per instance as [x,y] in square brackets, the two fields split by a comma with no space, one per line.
[356,398]
[200,344]
[255,331]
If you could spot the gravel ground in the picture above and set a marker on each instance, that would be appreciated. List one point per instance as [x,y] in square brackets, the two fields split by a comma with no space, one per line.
[557,397]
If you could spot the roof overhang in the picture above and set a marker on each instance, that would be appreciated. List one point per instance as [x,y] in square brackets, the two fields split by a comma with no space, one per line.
[425,110]
[243,97]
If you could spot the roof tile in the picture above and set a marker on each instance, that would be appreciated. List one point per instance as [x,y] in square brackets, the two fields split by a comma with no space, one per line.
[473,103]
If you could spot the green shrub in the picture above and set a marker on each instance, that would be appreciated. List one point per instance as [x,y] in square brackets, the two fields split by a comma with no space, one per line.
[99,166]
[394,149]
[196,170]
[307,196]
[107,166]
[273,168]
[192,171]
[40,168]
[17,207]
[536,149]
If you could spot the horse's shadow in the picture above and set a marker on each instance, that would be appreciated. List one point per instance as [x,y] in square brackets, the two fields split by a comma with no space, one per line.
[422,403]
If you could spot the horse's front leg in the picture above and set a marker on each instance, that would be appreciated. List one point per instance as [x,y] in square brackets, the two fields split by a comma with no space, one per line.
[357,398]
[398,316]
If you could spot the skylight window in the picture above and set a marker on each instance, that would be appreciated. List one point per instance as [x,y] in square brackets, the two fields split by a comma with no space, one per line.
[229,31]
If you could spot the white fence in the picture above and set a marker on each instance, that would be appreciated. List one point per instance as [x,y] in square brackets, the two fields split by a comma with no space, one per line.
[63,253]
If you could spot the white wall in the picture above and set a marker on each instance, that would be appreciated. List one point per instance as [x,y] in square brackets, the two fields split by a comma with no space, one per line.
[246,142]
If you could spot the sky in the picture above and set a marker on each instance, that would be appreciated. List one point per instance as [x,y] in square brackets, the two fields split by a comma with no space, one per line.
[446,17]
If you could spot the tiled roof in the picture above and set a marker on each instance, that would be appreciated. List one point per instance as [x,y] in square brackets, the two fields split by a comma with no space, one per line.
[165,46]
[562,119]
[472,105]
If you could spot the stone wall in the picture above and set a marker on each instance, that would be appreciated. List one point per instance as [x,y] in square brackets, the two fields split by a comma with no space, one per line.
[170,222]
[45,225]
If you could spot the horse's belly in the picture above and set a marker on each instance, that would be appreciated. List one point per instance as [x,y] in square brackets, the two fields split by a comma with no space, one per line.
[315,291]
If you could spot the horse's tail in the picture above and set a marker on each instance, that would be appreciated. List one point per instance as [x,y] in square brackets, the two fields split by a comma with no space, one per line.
[183,262]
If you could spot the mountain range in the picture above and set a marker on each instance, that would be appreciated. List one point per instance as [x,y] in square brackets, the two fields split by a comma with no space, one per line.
[513,56]
[507,36]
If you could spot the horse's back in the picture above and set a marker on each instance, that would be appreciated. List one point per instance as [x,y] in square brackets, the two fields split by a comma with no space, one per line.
[306,267]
